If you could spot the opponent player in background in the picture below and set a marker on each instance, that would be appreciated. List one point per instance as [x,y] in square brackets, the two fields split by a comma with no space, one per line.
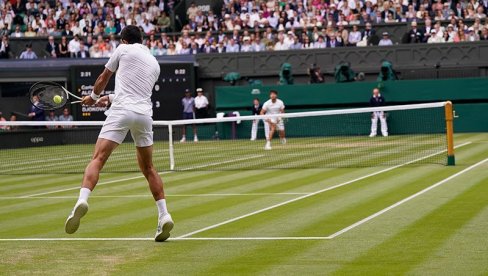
[274,106]
[256,110]
[375,101]
[131,109]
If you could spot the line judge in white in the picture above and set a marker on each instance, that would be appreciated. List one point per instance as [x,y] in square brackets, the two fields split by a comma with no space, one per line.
[131,109]
[274,106]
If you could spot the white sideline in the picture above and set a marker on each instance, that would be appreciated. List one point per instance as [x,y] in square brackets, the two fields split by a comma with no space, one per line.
[141,176]
[149,195]
[312,194]
[354,225]
[170,239]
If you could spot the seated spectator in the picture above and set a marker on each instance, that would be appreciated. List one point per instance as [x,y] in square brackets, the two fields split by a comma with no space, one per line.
[95,51]
[28,53]
[163,22]
[171,49]
[368,31]
[17,32]
[65,117]
[2,119]
[232,46]
[434,37]
[83,53]
[52,118]
[472,35]
[354,36]
[13,118]
[30,32]
[332,42]
[246,45]
[159,50]
[4,48]
[52,48]
[281,45]
[320,44]
[414,35]
[484,34]
[74,46]
[385,41]
[63,48]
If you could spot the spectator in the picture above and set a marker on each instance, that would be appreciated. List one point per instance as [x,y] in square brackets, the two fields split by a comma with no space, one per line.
[52,118]
[65,117]
[4,48]
[63,47]
[472,35]
[67,31]
[74,46]
[232,47]
[191,12]
[368,31]
[385,41]
[246,45]
[434,38]
[163,22]
[2,119]
[484,34]
[52,48]
[414,35]
[159,50]
[83,53]
[17,33]
[354,36]
[332,42]
[35,113]
[30,32]
[13,118]
[28,53]
[281,45]
[316,75]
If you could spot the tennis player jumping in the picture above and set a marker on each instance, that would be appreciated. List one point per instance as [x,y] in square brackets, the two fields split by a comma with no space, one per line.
[131,109]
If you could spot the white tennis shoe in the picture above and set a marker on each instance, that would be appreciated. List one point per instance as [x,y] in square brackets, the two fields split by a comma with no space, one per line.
[268,145]
[183,140]
[195,139]
[283,141]
[73,221]
[165,224]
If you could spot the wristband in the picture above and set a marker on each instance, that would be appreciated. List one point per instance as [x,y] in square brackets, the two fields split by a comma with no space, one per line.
[94,96]
[111,97]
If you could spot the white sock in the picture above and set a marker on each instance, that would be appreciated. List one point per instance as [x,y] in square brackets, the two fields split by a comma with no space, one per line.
[162,207]
[84,194]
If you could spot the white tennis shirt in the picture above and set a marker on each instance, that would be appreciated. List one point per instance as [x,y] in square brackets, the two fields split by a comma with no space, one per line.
[273,108]
[137,72]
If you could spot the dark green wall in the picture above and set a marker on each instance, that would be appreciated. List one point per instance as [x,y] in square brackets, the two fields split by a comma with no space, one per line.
[469,95]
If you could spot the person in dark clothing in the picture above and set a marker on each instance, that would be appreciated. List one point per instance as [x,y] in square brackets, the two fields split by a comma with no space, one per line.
[378,100]
[35,113]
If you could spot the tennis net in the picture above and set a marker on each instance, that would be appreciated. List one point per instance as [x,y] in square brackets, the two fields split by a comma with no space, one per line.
[417,134]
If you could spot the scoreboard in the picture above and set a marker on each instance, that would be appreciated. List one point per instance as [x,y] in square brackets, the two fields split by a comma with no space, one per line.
[167,92]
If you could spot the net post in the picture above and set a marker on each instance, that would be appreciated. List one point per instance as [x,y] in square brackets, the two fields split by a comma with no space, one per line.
[451,161]
[171,148]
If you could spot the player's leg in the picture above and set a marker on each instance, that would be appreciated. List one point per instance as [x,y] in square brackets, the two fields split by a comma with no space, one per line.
[266,129]
[272,128]
[281,131]
[183,134]
[384,126]
[254,129]
[374,125]
[112,134]
[141,131]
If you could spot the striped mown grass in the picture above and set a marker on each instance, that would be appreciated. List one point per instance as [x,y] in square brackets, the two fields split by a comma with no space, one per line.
[441,231]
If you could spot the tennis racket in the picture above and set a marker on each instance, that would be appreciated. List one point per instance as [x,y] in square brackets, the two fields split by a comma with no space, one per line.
[44,95]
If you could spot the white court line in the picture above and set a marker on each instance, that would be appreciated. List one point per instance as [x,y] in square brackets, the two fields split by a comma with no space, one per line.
[352,226]
[148,195]
[170,239]
[312,194]
[141,176]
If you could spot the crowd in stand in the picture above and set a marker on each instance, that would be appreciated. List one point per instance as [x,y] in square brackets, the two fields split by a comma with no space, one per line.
[89,28]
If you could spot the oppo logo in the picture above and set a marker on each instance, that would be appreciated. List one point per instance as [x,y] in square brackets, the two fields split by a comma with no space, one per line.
[36,140]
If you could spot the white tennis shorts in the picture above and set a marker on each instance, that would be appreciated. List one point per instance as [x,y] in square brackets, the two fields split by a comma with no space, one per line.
[119,122]
[278,122]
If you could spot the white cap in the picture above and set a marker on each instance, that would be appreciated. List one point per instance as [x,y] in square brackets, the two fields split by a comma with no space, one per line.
[199,89]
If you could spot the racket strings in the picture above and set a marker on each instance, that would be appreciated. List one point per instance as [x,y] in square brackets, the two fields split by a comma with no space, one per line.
[42,96]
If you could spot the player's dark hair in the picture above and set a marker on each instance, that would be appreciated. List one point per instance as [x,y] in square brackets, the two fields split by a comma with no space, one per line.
[257,99]
[131,34]
[273,92]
